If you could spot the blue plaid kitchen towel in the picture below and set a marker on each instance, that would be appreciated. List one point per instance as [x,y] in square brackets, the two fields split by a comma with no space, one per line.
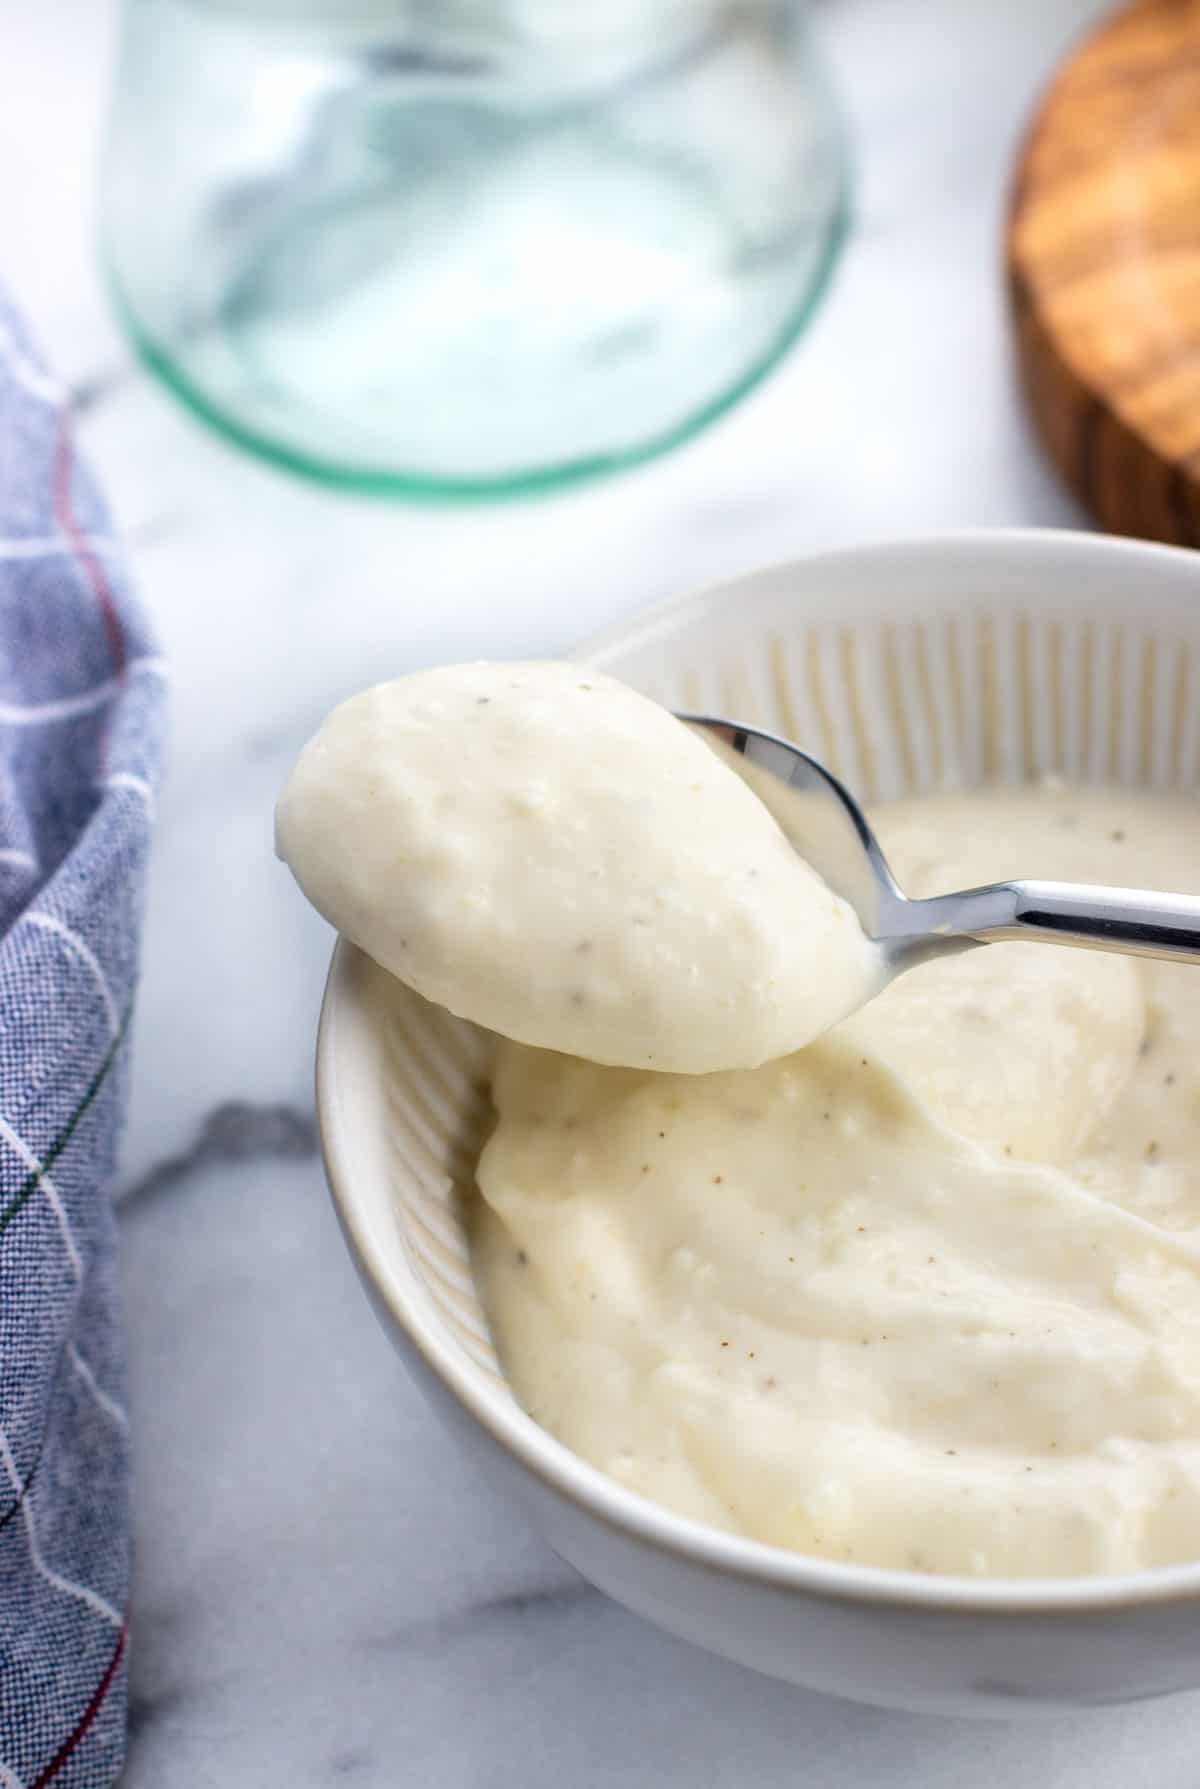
[81,722]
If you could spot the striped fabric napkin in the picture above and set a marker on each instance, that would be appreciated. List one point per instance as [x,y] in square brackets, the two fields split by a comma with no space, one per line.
[81,721]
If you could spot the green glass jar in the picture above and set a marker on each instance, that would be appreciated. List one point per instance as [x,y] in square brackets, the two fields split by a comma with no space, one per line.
[467,247]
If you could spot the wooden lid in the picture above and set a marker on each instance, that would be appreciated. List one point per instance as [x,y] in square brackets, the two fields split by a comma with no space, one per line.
[1104,270]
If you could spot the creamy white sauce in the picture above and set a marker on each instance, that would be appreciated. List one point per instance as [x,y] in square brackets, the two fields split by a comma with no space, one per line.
[549,854]
[923,1294]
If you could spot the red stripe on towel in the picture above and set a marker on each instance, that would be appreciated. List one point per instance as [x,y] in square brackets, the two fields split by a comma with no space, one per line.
[86,1718]
[64,515]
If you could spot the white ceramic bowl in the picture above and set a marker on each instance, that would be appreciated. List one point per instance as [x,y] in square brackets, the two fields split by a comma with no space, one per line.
[951,662]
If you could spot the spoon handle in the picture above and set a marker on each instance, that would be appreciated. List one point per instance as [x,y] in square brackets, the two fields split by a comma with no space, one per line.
[1134,921]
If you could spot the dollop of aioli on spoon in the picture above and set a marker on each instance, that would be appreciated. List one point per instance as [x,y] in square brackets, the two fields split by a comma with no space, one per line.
[557,858]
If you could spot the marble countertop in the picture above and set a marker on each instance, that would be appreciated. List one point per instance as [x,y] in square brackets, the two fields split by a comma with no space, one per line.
[324,1591]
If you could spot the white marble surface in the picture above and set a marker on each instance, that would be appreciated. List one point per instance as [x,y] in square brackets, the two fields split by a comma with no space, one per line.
[323,1592]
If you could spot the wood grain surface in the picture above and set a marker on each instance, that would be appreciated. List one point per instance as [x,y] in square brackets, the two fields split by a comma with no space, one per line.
[1104,270]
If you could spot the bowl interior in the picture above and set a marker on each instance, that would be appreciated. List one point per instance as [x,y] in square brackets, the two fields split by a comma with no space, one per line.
[908,669]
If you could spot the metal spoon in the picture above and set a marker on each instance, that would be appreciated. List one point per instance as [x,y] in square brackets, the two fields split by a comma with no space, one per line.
[829,828]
